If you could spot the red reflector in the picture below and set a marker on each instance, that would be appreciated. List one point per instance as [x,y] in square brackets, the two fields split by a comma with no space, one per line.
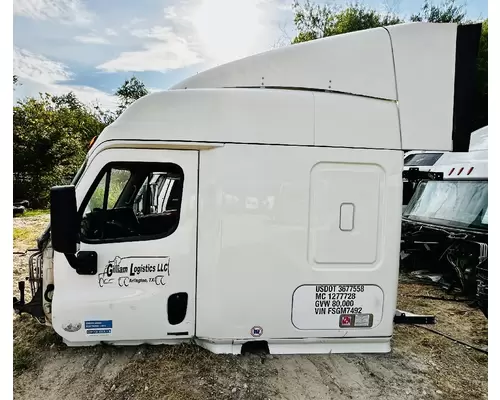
[460,170]
[470,170]
[451,171]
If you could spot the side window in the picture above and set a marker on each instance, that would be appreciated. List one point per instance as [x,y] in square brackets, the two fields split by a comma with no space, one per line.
[118,178]
[158,187]
[133,201]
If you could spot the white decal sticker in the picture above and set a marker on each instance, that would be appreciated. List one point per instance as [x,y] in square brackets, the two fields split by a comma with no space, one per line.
[337,306]
[362,320]
[130,271]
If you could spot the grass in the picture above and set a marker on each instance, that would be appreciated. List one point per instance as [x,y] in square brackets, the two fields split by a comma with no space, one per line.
[29,336]
[22,358]
[34,213]
[26,230]
[26,235]
[29,339]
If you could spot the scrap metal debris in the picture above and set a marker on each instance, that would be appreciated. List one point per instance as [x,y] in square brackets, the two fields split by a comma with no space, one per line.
[452,258]
[482,350]
[20,207]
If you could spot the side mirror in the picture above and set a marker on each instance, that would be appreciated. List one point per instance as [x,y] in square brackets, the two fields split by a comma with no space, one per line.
[63,219]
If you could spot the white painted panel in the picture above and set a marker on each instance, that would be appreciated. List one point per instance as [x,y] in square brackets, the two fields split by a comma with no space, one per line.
[358,62]
[333,184]
[259,116]
[424,56]
[254,254]
[132,304]
[324,306]
[218,115]
[353,121]
[479,140]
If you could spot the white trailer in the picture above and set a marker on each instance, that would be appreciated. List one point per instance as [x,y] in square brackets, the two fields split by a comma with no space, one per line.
[281,220]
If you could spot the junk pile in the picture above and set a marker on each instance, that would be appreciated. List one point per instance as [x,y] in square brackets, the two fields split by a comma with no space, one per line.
[455,259]
[20,207]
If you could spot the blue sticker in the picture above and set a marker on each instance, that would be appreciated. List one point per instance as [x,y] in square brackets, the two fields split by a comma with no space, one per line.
[106,324]
[99,327]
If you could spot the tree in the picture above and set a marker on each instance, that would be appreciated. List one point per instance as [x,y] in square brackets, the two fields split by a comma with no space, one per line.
[132,90]
[449,11]
[15,80]
[314,21]
[106,117]
[481,114]
[51,136]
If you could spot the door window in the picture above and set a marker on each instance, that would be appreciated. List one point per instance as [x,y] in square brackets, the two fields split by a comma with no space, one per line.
[118,178]
[133,201]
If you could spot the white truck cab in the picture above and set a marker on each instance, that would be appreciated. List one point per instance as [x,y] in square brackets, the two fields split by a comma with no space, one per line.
[257,201]
[421,160]
[424,160]
[459,198]
[445,225]
[428,160]
[434,161]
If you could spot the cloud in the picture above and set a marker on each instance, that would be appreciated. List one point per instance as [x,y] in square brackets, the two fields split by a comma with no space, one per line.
[163,50]
[38,74]
[136,21]
[202,31]
[86,94]
[170,12]
[110,32]
[285,6]
[91,39]
[133,22]
[66,11]
[38,68]
[229,30]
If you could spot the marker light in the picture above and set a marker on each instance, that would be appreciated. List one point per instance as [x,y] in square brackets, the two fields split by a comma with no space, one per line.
[92,141]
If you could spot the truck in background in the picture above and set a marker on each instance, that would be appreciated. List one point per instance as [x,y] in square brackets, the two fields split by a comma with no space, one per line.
[445,225]
[425,161]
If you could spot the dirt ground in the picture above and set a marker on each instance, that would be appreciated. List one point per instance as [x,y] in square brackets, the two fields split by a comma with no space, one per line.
[422,364]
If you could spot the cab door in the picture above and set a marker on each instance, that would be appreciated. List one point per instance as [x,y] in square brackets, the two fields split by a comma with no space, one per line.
[138,216]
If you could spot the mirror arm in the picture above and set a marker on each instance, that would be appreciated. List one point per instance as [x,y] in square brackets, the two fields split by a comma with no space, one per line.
[84,262]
